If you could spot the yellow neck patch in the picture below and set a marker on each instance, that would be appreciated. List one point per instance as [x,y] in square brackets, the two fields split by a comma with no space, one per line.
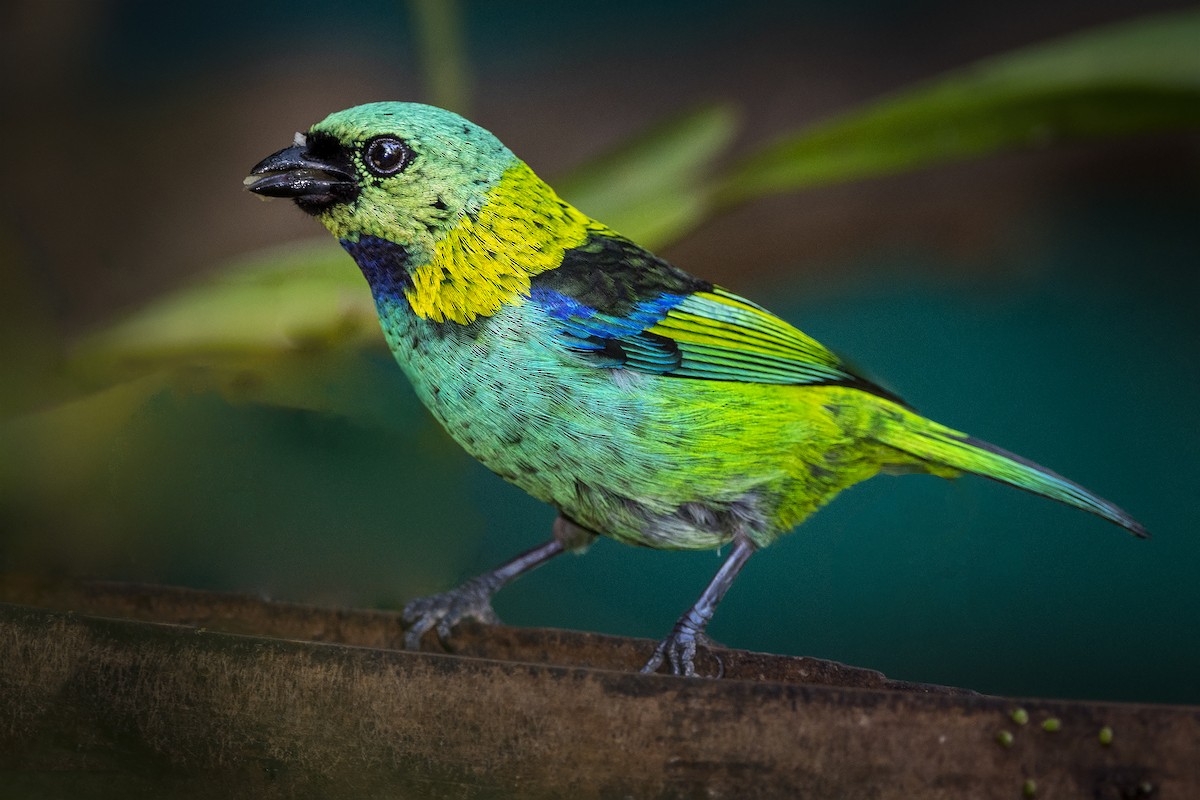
[486,261]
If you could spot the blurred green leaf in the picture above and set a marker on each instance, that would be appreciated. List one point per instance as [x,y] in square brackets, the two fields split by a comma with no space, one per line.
[1125,79]
[293,300]
[281,327]
[657,186]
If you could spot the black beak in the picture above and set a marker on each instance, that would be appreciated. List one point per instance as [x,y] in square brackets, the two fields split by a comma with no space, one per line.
[315,183]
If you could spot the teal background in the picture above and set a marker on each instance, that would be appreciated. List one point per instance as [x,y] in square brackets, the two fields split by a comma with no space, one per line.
[1067,334]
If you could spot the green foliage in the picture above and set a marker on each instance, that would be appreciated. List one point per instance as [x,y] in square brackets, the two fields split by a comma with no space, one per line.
[280,302]
[1121,80]
[655,187]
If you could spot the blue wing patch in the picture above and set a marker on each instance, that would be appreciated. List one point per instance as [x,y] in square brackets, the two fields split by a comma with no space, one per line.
[614,341]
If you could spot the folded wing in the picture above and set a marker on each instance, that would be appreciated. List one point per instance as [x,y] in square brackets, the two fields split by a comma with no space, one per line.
[680,327]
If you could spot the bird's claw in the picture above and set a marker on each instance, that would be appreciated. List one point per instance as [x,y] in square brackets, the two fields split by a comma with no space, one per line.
[471,600]
[679,651]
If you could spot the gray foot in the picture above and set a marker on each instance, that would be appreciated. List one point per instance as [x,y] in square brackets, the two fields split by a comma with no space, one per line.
[472,600]
[679,651]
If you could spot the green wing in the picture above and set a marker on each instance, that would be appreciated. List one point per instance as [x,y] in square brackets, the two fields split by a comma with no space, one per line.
[710,334]
[619,306]
[725,337]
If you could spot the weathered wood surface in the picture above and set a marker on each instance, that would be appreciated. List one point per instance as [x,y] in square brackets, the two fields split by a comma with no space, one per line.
[118,691]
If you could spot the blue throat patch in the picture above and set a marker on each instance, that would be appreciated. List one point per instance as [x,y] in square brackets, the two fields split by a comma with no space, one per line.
[384,264]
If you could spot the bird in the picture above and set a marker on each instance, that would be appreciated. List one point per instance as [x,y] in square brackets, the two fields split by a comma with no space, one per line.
[641,402]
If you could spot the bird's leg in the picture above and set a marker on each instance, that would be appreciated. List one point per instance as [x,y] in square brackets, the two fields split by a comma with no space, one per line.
[679,648]
[473,599]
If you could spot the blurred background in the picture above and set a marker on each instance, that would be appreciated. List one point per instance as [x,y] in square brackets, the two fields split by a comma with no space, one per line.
[992,209]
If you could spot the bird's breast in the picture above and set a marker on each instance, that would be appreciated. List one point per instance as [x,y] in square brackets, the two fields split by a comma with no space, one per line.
[500,390]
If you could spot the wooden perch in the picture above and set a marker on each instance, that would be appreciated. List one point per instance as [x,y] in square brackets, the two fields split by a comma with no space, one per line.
[133,691]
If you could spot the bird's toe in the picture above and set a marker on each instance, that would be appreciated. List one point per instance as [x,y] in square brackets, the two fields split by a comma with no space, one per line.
[443,611]
[679,651]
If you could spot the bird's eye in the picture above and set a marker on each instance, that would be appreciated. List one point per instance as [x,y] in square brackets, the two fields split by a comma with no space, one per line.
[386,155]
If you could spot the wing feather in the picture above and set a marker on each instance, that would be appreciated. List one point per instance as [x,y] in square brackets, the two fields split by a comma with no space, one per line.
[617,306]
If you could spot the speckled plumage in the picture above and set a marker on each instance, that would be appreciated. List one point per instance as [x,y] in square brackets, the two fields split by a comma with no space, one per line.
[642,402]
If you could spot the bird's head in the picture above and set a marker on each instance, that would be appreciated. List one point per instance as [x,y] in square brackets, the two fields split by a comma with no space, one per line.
[430,205]
[403,172]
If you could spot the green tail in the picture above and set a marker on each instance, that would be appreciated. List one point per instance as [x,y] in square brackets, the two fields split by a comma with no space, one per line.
[929,441]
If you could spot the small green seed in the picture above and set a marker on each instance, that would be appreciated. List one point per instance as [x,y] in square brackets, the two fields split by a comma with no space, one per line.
[1052,725]
[1106,736]
[1020,716]
[1029,787]
[1004,738]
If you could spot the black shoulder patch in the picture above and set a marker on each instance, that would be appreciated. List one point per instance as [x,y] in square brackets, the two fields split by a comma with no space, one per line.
[611,273]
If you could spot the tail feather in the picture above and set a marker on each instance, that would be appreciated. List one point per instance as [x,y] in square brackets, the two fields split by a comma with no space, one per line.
[936,443]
